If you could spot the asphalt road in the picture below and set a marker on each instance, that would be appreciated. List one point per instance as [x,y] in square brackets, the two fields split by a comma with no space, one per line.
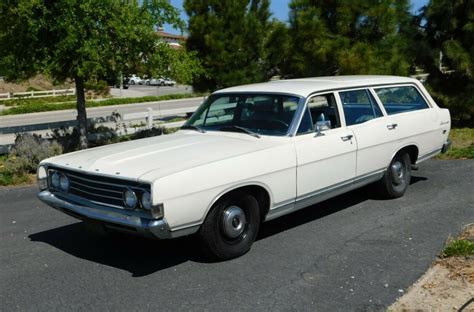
[93,112]
[354,252]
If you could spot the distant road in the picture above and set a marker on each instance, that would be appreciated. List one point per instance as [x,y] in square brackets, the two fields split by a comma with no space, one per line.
[39,123]
[94,112]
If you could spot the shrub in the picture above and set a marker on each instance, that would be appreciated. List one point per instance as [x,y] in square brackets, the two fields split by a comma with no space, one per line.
[459,247]
[68,138]
[23,159]
[146,133]
[30,149]
[99,87]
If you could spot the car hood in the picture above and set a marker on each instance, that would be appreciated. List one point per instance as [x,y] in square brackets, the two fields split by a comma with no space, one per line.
[161,155]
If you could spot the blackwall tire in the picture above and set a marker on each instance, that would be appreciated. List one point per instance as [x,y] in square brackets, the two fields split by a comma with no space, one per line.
[397,177]
[230,227]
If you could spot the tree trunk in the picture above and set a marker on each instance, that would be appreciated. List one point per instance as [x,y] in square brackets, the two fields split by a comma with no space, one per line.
[81,113]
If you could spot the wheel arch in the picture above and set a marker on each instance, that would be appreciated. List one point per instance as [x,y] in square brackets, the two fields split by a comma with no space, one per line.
[412,150]
[260,191]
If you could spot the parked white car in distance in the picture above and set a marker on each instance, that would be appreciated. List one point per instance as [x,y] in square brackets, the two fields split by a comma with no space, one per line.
[250,154]
[168,82]
[134,79]
[154,81]
[160,82]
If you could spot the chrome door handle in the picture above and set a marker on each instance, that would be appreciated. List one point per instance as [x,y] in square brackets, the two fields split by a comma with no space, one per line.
[392,126]
[347,137]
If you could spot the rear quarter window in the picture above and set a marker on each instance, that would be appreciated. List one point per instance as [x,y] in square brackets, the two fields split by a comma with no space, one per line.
[401,99]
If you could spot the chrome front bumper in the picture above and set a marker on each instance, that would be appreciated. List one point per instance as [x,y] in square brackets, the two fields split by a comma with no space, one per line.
[121,220]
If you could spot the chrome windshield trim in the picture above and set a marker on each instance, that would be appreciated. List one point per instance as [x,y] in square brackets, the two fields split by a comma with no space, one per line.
[295,123]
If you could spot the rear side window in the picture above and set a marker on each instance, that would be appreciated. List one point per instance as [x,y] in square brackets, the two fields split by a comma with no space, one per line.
[401,99]
[359,106]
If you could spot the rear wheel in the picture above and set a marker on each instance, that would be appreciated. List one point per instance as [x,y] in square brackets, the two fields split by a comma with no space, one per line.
[397,177]
[230,227]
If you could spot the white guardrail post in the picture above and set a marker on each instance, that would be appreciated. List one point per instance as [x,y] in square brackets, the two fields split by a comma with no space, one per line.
[149,118]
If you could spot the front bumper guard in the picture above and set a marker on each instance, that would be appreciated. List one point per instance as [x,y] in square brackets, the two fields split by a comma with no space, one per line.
[121,220]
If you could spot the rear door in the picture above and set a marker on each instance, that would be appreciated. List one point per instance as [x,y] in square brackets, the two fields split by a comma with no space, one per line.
[365,118]
[326,157]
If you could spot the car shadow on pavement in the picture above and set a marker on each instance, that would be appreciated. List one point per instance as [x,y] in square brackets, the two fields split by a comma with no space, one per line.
[142,257]
[323,209]
[139,256]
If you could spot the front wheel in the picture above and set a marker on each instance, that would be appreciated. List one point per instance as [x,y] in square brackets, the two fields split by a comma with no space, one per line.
[231,227]
[397,177]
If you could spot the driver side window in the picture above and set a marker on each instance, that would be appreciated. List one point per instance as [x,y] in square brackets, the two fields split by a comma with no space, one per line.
[322,112]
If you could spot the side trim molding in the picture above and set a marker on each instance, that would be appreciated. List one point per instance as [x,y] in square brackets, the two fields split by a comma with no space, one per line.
[428,155]
[323,194]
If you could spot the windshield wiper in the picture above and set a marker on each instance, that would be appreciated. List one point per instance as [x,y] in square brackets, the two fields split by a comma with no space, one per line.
[193,127]
[239,129]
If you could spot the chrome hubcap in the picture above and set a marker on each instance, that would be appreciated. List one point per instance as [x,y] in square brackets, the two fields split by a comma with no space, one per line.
[397,172]
[233,221]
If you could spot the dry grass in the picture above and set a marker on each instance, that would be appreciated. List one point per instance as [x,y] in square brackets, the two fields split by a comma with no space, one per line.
[39,82]
[462,144]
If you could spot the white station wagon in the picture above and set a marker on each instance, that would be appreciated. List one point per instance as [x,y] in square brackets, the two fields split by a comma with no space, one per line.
[250,154]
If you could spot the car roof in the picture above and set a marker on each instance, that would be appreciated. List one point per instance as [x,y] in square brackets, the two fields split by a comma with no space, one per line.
[306,86]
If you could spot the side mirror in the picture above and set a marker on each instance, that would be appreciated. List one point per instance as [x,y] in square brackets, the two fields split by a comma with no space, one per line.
[321,126]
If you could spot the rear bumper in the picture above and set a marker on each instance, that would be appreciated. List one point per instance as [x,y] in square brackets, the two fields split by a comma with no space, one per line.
[120,220]
[446,146]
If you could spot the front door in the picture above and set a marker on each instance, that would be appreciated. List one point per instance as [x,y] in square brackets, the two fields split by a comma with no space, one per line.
[326,152]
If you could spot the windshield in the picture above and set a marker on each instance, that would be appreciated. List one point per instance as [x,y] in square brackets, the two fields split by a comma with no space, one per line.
[267,114]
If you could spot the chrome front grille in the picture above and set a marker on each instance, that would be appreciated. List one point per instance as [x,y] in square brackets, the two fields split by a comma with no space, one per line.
[99,189]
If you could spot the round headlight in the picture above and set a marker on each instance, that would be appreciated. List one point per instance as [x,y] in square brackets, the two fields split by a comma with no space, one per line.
[42,177]
[130,198]
[55,179]
[64,183]
[146,200]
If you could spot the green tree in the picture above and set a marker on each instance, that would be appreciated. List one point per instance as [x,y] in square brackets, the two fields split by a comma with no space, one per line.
[229,39]
[81,40]
[278,49]
[448,27]
[349,37]
[180,64]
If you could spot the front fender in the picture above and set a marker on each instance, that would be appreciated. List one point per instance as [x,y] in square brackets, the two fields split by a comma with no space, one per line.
[188,195]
